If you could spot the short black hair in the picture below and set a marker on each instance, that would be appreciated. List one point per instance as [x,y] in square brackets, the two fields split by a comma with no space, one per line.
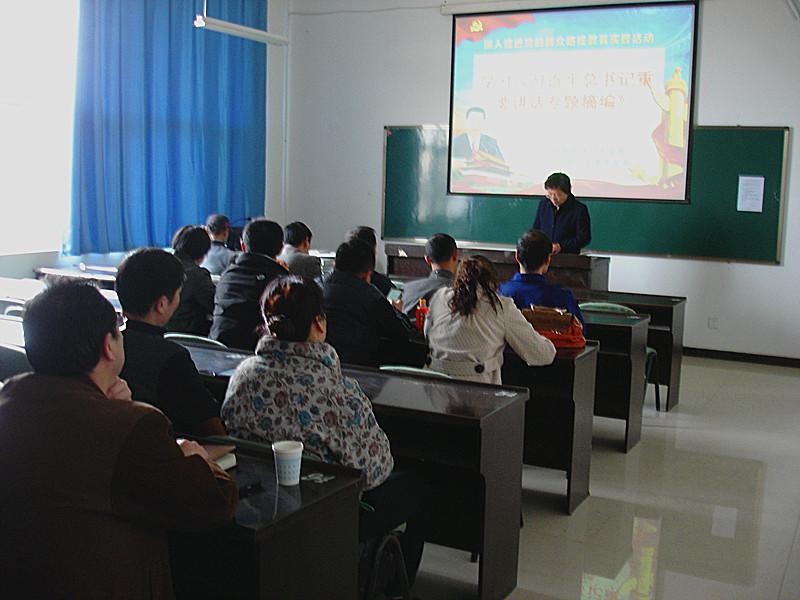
[65,327]
[440,247]
[354,256]
[296,233]
[217,224]
[263,236]
[191,242]
[363,233]
[533,248]
[475,109]
[558,181]
[144,276]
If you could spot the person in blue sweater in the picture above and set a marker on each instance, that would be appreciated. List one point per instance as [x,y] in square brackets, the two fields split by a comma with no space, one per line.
[529,287]
[562,218]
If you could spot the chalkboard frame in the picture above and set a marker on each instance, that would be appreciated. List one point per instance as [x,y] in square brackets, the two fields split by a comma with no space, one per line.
[759,250]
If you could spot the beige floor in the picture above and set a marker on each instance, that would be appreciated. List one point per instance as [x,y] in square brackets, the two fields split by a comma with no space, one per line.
[706,507]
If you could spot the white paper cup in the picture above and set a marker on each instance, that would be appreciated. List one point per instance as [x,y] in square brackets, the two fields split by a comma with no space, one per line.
[288,456]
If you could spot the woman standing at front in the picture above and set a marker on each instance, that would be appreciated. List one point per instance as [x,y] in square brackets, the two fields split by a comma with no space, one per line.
[469,325]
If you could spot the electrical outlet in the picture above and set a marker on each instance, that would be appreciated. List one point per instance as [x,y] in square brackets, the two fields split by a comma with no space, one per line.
[713,322]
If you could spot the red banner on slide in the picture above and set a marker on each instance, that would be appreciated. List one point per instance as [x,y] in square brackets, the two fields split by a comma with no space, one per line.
[476,28]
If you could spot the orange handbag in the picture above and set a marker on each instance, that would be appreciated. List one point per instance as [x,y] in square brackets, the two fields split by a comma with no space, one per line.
[556,324]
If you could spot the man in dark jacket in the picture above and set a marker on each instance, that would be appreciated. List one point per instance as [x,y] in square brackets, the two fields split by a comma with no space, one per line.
[159,371]
[358,314]
[191,244]
[441,254]
[367,235]
[237,314]
[562,218]
[92,480]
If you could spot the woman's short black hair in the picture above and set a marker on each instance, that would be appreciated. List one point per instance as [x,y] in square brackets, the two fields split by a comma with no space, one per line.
[65,328]
[289,306]
[191,242]
[558,181]
[144,276]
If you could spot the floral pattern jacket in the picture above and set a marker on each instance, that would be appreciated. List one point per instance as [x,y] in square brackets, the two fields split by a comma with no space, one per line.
[296,391]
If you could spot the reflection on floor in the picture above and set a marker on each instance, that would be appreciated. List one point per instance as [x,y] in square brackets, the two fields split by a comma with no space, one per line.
[706,507]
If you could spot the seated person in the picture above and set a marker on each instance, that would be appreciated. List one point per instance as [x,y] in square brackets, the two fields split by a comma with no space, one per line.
[293,389]
[358,314]
[161,372]
[197,294]
[296,243]
[367,235]
[469,325]
[529,287]
[441,254]
[219,255]
[236,304]
[562,218]
[92,481]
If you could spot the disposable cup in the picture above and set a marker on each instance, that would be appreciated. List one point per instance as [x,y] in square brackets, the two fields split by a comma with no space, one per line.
[288,456]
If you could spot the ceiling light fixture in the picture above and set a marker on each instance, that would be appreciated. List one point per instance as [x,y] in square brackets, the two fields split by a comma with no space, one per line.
[250,33]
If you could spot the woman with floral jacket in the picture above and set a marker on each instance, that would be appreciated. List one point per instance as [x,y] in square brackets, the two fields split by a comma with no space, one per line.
[294,389]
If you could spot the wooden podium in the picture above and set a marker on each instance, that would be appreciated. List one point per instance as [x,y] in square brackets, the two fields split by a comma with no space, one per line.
[569,270]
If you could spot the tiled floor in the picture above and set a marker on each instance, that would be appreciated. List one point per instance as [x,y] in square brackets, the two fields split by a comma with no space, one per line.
[706,507]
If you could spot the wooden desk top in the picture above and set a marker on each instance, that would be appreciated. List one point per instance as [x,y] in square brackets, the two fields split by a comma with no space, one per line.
[76,273]
[436,397]
[572,354]
[628,298]
[445,398]
[270,505]
[11,332]
[20,290]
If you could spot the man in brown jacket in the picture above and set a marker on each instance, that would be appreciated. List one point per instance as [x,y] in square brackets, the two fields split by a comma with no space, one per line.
[89,480]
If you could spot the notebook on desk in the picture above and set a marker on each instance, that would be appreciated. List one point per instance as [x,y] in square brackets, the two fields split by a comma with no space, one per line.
[222,455]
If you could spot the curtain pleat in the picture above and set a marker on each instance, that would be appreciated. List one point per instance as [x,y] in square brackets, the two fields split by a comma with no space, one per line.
[169,121]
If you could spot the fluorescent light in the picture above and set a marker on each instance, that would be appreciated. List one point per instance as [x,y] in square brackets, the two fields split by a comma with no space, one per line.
[250,33]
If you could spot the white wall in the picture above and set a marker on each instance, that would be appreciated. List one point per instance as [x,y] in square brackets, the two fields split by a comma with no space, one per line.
[358,65]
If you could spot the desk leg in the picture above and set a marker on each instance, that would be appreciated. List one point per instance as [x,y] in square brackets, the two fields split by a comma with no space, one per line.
[638,381]
[581,451]
[501,468]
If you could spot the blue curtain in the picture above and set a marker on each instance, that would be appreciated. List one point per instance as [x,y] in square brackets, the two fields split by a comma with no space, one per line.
[169,121]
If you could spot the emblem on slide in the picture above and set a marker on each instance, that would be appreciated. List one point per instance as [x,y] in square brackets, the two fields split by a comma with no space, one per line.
[476,26]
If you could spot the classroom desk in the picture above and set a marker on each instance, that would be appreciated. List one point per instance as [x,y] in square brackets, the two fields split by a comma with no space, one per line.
[285,542]
[11,331]
[665,331]
[19,291]
[620,383]
[102,278]
[558,417]
[469,437]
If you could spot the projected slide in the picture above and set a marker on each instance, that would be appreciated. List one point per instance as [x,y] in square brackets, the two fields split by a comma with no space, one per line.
[602,94]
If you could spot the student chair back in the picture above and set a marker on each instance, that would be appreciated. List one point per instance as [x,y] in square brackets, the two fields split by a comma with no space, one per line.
[194,340]
[609,307]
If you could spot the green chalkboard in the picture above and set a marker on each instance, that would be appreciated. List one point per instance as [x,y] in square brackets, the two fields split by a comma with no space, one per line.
[416,203]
